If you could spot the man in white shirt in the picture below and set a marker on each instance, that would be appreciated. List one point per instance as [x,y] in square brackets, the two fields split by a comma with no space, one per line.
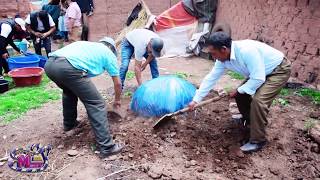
[144,44]
[267,70]
[40,25]
[8,28]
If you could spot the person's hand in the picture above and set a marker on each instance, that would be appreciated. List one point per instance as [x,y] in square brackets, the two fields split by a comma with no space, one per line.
[233,93]
[143,67]
[21,51]
[37,34]
[44,35]
[116,104]
[192,105]
[5,56]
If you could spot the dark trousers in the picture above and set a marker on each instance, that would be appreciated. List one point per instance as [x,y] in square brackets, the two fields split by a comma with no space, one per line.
[4,65]
[255,108]
[75,84]
[45,42]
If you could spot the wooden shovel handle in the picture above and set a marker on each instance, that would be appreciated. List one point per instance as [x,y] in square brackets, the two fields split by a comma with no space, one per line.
[200,104]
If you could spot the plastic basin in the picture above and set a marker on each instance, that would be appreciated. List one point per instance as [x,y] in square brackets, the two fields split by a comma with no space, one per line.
[43,60]
[23,46]
[4,85]
[27,76]
[23,61]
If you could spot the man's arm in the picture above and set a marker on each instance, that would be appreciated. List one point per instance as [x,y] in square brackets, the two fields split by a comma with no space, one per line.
[137,70]
[148,60]
[14,45]
[207,83]
[117,91]
[70,23]
[52,27]
[29,29]
[257,75]
[46,34]
[5,31]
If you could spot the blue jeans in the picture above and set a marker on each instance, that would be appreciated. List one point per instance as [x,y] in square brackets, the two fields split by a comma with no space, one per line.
[127,50]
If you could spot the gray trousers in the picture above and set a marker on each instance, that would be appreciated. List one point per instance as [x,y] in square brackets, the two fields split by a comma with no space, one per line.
[75,84]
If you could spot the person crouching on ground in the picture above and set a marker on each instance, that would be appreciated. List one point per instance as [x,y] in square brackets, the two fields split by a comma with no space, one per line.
[142,43]
[71,68]
[9,28]
[267,70]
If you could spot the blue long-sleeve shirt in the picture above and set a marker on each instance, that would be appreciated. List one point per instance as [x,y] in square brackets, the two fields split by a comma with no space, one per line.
[252,59]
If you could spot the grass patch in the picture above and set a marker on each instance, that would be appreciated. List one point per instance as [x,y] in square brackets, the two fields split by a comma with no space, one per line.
[128,94]
[228,88]
[308,125]
[130,75]
[281,101]
[313,94]
[284,92]
[235,75]
[11,83]
[16,102]
[181,75]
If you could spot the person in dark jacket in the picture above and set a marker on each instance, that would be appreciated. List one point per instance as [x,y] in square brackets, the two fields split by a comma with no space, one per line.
[40,24]
[86,7]
[8,28]
[53,8]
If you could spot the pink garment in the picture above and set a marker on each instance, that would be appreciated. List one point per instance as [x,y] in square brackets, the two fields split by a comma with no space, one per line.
[73,12]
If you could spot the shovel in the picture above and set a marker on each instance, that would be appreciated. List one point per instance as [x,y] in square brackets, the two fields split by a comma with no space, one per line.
[115,113]
[169,117]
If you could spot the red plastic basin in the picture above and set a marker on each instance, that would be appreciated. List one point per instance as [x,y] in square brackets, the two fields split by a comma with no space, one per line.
[26,76]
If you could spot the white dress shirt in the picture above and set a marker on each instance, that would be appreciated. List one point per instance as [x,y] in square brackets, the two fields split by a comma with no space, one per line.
[252,59]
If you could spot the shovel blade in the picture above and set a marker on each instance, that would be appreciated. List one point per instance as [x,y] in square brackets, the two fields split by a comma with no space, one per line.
[163,120]
[115,113]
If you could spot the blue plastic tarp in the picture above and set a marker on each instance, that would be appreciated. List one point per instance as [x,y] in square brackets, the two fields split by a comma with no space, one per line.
[162,95]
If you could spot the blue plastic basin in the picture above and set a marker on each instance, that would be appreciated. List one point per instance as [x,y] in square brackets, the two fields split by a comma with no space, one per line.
[23,61]
[43,60]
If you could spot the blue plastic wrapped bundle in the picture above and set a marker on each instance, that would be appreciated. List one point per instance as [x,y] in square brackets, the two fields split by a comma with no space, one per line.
[162,95]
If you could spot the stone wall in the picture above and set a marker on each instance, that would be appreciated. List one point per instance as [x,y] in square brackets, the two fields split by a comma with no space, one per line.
[292,26]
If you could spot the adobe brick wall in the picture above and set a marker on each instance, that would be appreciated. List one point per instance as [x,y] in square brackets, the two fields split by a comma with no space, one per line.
[12,7]
[110,16]
[292,26]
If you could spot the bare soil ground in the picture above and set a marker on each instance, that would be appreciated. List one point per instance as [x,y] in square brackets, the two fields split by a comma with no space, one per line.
[200,145]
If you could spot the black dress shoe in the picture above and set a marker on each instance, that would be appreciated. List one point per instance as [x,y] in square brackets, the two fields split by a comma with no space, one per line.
[116,148]
[65,129]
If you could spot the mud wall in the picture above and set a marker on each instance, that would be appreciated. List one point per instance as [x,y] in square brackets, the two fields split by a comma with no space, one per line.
[9,8]
[292,26]
[110,15]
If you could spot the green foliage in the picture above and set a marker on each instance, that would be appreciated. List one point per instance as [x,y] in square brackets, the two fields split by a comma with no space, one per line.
[11,83]
[128,94]
[93,147]
[16,102]
[181,75]
[308,125]
[130,75]
[281,101]
[235,75]
[284,92]
[228,88]
[313,94]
